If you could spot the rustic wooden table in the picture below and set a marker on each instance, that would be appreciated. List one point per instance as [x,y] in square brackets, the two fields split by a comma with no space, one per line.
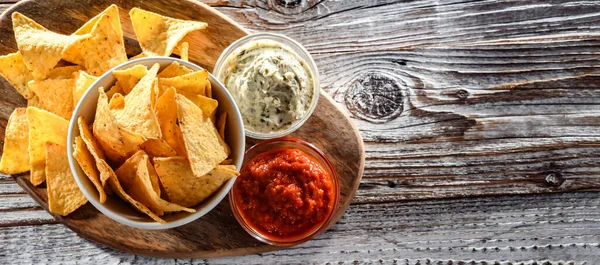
[481,123]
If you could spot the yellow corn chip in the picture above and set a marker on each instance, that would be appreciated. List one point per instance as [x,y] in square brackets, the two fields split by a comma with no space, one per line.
[208,89]
[88,164]
[221,124]
[158,35]
[63,72]
[74,55]
[13,68]
[143,191]
[206,104]
[15,157]
[56,95]
[126,172]
[194,83]
[64,195]
[116,88]
[116,187]
[180,184]
[82,82]
[116,142]
[41,48]
[173,70]
[35,102]
[128,78]
[43,127]
[204,147]
[138,113]
[116,102]
[183,50]
[92,146]
[166,113]
[157,148]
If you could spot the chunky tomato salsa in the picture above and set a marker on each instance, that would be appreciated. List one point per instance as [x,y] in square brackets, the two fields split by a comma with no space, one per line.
[284,193]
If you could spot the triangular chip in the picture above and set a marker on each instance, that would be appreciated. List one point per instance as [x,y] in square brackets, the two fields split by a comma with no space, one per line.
[157,148]
[208,89]
[74,55]
[64,195]
[117,143]
[15,157]
[64,72]
[143,191]
[183,50]
[221,124]
[166,113]
[93,147]
[206,104]
[204,146]
[35,102]
[104,49]
[128,78]
[41,48]
[116,88]
[180,184]
[83,81]
[13,68]
[194,83]
[126,172]
[56,95]
[116,187]
[43,127]
[158,35]
[88,164]
[173,70]
[117,102]
[138,113]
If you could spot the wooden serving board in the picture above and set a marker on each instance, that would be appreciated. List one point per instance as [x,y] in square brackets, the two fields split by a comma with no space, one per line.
[217,233]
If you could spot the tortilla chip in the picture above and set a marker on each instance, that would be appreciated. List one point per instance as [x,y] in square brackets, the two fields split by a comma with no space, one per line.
[82,82]
[64,195]
[126,172]
[117,143]
[104,48]
[221,124]
[183,50]
[158,148]
[116,88]
[116,102]
[166,113]
[74,55]
[35,102]
[15,157]
[158,35]
[128,78]
[41,48]
[204,147]
[56,95]
[138,113]
[193,83]
[173,70]
[143,191]
[227,161]
[116,187]
[180,184]
[63,72]
[140,55]
[13,68]
[208,89]
[44,127]
[206,104]
[88,164]
[92,146]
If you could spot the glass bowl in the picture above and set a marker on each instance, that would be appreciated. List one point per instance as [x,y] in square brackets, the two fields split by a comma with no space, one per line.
[223,63]
[318,156]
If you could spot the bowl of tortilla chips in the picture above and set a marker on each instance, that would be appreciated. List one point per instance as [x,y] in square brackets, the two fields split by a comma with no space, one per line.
[155,143]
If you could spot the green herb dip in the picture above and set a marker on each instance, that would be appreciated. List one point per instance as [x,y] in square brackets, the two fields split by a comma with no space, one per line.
[272,86]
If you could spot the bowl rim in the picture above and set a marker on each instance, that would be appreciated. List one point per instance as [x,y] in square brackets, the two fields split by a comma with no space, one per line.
[318,230]
[73,165]
[294,46]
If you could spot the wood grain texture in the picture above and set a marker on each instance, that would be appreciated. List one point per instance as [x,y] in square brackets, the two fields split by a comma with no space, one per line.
[329,128]
[470,99]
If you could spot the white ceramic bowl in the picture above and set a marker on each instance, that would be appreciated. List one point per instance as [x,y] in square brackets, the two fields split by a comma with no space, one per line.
[121,211]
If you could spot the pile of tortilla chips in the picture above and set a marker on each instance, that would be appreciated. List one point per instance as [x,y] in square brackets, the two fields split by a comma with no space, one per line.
[154,140]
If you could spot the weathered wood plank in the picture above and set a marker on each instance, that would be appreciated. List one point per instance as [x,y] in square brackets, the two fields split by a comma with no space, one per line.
[511,229]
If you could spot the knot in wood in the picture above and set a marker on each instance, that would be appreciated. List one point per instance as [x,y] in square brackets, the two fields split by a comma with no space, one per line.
[554,179]
[375,97]
[289,3]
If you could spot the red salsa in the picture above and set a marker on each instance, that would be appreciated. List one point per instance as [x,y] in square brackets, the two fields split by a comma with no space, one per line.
[284,193]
